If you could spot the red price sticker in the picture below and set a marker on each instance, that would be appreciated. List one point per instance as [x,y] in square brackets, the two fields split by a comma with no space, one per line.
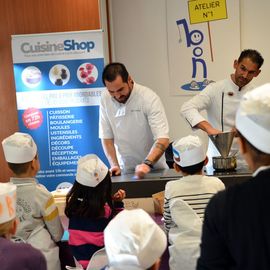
[32,118]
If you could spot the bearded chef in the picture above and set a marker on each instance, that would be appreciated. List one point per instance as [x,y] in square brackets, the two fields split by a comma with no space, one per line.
[133,126]
[221,99]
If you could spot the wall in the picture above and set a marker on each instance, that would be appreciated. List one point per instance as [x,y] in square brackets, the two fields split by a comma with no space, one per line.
[139,36]
[31,16]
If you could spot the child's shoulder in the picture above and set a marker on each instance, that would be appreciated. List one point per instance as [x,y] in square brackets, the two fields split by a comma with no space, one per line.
[173,183]
[172,187]
[211,178]
[43,191]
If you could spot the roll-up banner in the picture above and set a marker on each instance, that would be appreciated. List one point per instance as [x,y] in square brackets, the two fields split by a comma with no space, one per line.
[58,86]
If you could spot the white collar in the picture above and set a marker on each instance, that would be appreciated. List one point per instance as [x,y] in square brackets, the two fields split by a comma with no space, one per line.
[262,168]
[236,87]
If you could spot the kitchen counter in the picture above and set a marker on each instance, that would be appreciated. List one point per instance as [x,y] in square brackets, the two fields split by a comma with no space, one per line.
[156,181]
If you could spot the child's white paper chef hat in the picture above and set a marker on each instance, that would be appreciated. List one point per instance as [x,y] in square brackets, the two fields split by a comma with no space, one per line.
[253,117]
[19,148]
[188,151]
[91,170]
[7,202]
[133,241]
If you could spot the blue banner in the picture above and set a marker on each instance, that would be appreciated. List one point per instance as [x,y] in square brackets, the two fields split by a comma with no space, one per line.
[58,87]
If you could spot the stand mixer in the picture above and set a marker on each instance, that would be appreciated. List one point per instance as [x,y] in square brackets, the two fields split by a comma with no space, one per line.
[223,142]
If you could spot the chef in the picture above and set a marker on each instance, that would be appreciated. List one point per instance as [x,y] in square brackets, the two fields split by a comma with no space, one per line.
[133,126]
[221,99]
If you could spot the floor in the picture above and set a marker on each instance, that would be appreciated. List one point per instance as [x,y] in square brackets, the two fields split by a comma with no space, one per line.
[165,261]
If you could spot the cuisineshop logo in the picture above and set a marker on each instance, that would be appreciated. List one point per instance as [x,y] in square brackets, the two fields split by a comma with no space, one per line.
[67,45]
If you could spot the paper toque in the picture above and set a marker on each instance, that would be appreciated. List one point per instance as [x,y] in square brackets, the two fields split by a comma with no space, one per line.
[253,117]
[188,151]
[133,241]
[90,170]
[7,202]
[19,148]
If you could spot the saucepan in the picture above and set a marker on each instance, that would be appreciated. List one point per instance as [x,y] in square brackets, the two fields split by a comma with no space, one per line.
[224,164]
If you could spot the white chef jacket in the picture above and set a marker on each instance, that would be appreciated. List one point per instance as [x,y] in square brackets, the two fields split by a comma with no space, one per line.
[134,126]
[210,99]
[39,224]
[185,202]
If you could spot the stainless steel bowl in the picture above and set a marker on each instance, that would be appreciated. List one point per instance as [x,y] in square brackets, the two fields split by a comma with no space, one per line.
[224,164]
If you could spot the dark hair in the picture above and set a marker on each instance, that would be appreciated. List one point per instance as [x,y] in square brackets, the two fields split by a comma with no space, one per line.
[20,168]
[254,55]
[257,154]
[83,201]
[112,70]
[193,169]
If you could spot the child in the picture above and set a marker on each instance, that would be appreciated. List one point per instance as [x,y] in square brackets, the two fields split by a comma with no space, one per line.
[90,207]
[134,241]
[40,224]
[14,255]
[185,202]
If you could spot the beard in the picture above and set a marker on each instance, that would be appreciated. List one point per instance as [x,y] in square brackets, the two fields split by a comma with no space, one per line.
[123,99]
[241,81]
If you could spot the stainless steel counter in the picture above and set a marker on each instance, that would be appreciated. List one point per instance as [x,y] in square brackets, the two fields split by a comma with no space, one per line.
[156,181]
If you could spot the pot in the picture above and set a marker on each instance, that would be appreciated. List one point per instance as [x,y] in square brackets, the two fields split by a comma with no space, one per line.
[224,164]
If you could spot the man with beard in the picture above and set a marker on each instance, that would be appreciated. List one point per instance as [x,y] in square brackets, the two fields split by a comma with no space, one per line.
[221,99]
[133,126]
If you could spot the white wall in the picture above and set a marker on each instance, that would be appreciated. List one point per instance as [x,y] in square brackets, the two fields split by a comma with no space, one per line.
[140,42]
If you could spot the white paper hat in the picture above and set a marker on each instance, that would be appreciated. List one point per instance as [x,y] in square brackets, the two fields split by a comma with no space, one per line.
[91,170]
[253,117]
[188,151]
[19,148]
[7,202]
[133,240]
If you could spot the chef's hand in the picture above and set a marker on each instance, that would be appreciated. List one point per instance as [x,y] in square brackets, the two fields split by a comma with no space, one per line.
[119,195]
[233,129]
[141,170]
[115,170]
[213,131]
[207,127]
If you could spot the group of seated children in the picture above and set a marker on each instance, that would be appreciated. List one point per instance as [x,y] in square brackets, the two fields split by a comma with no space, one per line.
[33,220]
[90,207]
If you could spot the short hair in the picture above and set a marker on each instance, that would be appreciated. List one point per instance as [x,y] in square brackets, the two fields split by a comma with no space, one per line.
[257,154]
[193,169]
[254,55]
[112,70]
[19,168]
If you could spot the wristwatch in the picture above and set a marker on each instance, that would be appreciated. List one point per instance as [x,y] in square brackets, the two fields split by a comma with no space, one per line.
[149,163]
